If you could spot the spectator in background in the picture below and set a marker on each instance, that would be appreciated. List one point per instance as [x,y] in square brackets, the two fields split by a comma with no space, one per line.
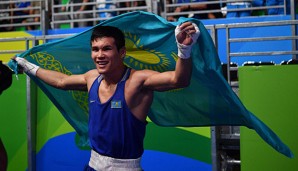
[187,8]
[215,6]
[135,3]
[34,4]
[132,4]
[197,7]
[258,12]
[105,5]
[80,15]
[77,9]
[278,11]
[58,17]
[5,15]
[20,9]
[240,7]
[163,4]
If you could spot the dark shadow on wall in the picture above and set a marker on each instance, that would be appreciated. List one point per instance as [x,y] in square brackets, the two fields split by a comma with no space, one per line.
[3,157]
[5,77]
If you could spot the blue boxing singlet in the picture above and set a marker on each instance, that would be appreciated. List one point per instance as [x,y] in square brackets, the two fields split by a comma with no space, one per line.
[113,130]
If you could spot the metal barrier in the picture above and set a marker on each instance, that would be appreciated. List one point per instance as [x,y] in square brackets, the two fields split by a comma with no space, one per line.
[46,14]
[213,6]
[96,11]
[230,40]
[13,15]
[219,134]
[30,40]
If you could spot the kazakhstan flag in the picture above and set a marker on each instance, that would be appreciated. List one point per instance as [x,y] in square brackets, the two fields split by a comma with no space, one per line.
[150,41]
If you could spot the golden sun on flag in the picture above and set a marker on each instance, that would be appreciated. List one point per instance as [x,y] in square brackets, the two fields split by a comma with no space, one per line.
[138,57]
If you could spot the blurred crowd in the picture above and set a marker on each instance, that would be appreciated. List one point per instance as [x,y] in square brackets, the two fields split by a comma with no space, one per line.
[84,12]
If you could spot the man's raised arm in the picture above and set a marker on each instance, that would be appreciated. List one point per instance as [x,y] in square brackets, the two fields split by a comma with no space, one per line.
[186,36]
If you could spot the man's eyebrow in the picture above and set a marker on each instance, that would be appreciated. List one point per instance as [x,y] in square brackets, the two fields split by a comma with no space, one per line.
[107,46]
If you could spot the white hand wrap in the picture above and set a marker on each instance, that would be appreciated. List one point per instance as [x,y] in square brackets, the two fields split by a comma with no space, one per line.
[28,67]
[185,50]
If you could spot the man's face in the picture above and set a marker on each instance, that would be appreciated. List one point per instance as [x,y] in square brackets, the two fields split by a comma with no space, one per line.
[105,55]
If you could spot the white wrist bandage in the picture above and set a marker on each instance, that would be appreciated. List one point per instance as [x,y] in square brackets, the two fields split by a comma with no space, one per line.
[28,67]
[185,50]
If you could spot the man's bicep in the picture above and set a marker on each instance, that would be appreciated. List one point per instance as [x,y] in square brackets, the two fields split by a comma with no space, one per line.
[160,81]
[75,82]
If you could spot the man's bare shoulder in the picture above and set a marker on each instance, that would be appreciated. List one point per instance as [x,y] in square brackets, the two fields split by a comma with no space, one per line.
[91,75]
[138,77]
[142,74]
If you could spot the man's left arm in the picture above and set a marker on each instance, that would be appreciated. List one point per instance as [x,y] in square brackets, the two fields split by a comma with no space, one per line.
[186,36]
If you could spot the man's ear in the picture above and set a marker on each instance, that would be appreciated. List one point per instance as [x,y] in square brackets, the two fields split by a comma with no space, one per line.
[123,52]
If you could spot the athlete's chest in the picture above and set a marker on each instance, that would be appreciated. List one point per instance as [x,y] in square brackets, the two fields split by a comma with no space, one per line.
[122,90]
[105,93]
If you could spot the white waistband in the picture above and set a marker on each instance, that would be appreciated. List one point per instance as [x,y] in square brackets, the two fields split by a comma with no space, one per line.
[105,163]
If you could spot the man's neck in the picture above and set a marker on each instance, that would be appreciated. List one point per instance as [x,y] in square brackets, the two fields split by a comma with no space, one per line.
[116,77]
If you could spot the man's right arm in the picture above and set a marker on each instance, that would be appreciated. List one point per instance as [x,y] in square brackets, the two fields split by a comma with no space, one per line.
[53,78]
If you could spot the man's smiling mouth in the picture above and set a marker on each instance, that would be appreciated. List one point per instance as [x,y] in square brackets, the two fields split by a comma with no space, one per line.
[102,63]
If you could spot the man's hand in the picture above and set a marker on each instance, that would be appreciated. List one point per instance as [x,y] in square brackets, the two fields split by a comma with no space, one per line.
[28,67]
[186,35]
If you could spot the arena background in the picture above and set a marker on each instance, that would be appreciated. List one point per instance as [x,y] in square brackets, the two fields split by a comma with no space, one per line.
[166,148]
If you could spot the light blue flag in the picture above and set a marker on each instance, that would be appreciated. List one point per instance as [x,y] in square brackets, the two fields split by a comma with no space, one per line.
[150,42]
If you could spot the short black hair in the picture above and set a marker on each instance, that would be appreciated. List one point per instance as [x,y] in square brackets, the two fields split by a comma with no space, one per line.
[109,31]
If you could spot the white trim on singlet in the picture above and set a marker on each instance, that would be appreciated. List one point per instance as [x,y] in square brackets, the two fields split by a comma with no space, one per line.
[123,78]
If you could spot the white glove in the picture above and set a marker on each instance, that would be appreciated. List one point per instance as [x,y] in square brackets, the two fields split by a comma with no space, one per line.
[28,67]
[185,50]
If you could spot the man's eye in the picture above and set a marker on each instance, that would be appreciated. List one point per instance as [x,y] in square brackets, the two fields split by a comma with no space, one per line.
[106,48]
